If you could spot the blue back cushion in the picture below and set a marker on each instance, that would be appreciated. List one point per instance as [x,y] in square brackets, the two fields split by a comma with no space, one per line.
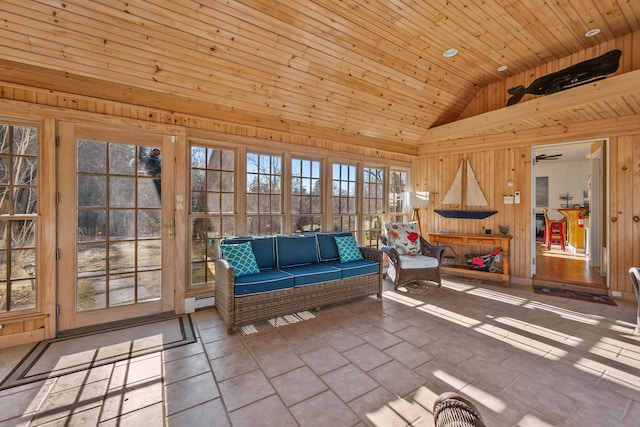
[263,249]
[327,248]
[296,250]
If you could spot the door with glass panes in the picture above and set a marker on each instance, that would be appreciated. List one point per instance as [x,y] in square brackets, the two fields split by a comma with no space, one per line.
[115,225]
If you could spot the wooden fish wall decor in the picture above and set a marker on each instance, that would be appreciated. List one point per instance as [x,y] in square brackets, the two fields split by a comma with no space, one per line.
[581,73]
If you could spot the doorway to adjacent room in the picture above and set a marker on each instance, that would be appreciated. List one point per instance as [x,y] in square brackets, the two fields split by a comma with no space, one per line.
[569,181]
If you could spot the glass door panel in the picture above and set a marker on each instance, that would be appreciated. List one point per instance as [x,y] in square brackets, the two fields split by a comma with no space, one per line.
[113,266]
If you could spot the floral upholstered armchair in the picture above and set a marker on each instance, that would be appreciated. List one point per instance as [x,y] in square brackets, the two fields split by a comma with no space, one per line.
[411,257]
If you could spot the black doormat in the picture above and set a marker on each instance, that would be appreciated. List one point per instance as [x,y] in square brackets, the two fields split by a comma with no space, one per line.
[579,295]
[61,356]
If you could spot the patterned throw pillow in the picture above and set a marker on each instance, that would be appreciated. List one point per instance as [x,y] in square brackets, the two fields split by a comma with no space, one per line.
[241,257]
[348,248]
[404,237]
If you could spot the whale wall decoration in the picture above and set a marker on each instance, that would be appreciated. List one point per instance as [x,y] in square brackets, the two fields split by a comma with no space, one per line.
[581,73]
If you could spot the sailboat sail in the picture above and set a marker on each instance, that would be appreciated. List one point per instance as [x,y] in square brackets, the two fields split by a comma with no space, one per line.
[473,196]
[454,195]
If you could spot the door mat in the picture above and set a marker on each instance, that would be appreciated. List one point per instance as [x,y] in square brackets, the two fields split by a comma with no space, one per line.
[61,356]
[579,295]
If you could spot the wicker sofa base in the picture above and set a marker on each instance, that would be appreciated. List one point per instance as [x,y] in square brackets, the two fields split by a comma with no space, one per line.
[238,311]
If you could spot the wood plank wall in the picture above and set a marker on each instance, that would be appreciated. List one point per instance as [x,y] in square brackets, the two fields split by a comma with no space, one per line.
[494,167]
[495,95]
[48,106]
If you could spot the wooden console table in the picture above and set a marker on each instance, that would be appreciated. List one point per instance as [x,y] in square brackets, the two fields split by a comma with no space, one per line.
[489,240]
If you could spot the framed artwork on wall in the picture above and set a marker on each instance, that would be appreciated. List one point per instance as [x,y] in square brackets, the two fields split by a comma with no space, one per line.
[542,191]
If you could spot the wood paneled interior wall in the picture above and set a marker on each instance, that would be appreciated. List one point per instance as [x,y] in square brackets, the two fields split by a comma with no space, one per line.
[48,106]
[495,95]
[494,167]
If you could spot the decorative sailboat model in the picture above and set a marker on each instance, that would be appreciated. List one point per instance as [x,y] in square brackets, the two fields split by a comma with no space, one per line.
[468,187]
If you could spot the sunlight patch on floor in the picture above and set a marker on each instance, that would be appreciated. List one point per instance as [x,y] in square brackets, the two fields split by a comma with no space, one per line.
[590,319]
[541,331]
[484,398]
[449,315]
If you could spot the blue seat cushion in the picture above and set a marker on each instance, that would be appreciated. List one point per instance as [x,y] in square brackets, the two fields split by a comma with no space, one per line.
[313,273]
[355,268]
[265,281]
[263,249]
[327,247]
[292,251]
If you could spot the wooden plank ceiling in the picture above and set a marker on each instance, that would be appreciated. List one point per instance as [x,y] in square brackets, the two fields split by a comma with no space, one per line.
[371,68]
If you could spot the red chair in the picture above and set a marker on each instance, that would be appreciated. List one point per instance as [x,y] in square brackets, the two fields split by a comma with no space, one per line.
[554,231]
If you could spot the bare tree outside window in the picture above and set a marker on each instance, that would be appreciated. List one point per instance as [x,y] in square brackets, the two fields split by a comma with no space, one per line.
[306,196]
[372,204]
[212,209]
[264,194]
[18,216]
[344,197]
[398,211]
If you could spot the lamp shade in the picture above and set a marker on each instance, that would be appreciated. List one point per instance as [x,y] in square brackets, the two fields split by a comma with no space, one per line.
[416,199]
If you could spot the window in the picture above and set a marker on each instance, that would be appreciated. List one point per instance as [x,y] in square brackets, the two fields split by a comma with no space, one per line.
[264,194]
[18,216]
[212,208]
[306,196]
[398,211]
[344,197]
[372,204]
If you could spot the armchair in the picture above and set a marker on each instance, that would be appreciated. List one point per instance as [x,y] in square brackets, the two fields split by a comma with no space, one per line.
[407,266]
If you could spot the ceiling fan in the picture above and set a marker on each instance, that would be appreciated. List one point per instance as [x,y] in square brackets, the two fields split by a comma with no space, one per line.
[541,157]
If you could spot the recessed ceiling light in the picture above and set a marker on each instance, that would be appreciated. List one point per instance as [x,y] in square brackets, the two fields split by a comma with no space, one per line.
[450,52]
[502,68]
[592,32]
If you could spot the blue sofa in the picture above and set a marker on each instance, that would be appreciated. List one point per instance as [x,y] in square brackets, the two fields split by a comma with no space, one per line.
[296,273]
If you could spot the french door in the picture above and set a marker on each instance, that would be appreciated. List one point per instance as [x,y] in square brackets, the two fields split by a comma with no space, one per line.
[115,225]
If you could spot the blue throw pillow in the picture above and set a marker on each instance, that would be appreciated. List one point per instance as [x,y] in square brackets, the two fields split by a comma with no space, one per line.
[241,257]
[348,249]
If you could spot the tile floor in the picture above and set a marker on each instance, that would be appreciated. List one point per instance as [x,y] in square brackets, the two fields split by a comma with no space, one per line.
[524,359]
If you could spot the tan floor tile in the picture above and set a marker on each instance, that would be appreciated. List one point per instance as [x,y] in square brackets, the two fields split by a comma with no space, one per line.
[343,340]
[70,401]
[131,398]
[190,366]
[131,371]
[190,392]
[211,413]
[366,357]
[298,385]
[397,378]
[349,382]
[374,407]
[234,364]
[266,412]
[415,336]
[152,415]
[324,360]
[324,410]
[85,418]
[245,389]
[229,345]
[380,339]
[408,354]
[279,361]
[182,351]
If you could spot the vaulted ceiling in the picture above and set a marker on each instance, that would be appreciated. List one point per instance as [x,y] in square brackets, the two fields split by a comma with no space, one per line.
[366,68]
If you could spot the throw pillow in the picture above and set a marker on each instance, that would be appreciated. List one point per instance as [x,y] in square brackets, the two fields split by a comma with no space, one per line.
[404,237]
[241,257]
[348,248]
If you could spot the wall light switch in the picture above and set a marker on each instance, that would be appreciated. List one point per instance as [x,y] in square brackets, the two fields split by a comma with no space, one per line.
[508,200]
[517,198]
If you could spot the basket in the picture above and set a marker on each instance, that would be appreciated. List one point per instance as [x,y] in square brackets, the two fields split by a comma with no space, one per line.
[449,257]
[481,262]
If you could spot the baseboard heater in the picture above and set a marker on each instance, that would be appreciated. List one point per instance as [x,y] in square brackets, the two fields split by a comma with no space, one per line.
[201,301]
